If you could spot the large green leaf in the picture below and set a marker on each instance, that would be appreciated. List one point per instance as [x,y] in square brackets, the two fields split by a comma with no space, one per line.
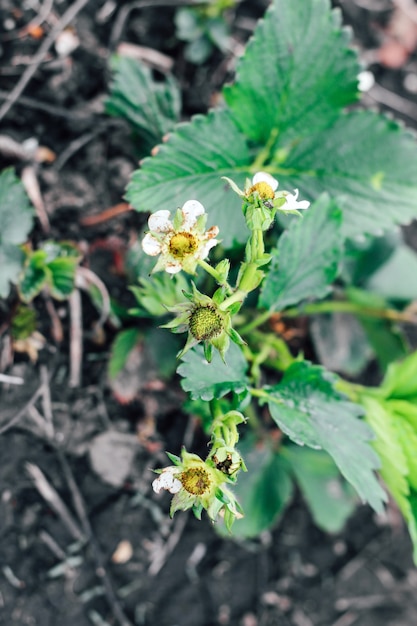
[16,221]
[395,470]
[190,166]
[365,161]
[213,380]
[311,412]
[307,258]
[297,73]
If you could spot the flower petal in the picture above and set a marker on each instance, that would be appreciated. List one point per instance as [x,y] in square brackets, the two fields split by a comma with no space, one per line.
[264,177]
[166,480]
[151,245]
[292,204]
[159,222]
[173,267]
[205,249]
[191,210]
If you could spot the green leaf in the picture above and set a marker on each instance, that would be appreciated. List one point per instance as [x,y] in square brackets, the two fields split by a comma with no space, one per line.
[213,380]
[16,221]
[363,257]
[34,276]
[307,258]
[366,162]
[263,491]
[394,471]
[383,335]
[400,381]
[11,262]
[329,498]
[311,412]
[190,166]
[151,107]
[296,74]
[397,278]
[62,277]
[340,343]
[123,343]
[160,291]
[53,264]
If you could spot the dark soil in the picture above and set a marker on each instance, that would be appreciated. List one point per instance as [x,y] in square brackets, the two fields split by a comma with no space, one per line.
[61,551]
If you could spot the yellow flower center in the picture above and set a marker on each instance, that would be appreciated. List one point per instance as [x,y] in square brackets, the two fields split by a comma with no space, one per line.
[264,191]
[196,481]
[205,323]
[182,244]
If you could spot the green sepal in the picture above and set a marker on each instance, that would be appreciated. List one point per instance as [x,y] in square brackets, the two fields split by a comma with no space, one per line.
[174,458]
[208,351]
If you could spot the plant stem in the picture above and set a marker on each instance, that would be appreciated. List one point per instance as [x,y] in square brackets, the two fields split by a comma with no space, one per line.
[214,273]
[333,306]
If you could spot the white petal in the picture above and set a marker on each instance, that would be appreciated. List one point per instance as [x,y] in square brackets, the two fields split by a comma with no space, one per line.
[173,267]
[159,222]
[204,251]
[151,245]
[167,481]
[191,210]
[292,204]
[264,177]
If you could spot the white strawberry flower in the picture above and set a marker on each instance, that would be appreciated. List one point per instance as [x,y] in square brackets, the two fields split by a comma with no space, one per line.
[180,242]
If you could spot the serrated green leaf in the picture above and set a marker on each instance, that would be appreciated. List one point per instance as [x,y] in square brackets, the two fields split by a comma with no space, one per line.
[34,276]
[311,412]
[263,491]
[307,258]
[62,277]
[329,498]
[394,470]
[215,379]
[366,162]
[158,292]
[151,107]
[16,221]
[123,343]
[296,75]
[190,166]
[54,265]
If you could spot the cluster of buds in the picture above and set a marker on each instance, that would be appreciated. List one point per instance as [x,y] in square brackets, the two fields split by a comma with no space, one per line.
[183,243]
